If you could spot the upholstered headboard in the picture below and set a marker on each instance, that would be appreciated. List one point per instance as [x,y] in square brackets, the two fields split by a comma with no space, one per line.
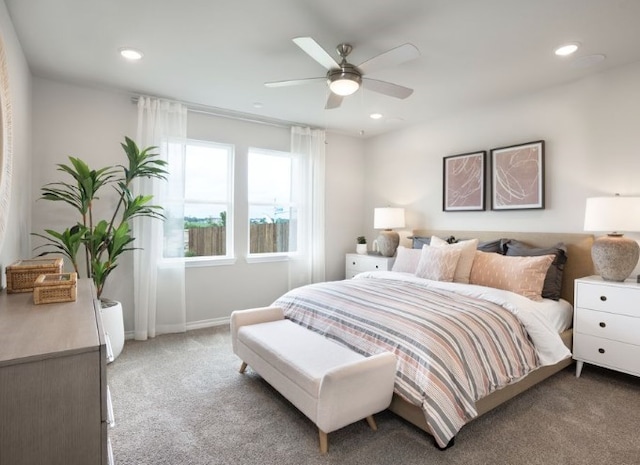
[579,263]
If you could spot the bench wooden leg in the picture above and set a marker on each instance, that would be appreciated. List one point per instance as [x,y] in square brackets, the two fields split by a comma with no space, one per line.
[372,423]
[324,442]
[243,367]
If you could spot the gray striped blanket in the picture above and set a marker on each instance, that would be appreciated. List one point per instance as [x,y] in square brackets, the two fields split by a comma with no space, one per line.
[452,349]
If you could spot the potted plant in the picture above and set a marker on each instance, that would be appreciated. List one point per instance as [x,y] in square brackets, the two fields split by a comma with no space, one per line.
[361,245]
[103,240]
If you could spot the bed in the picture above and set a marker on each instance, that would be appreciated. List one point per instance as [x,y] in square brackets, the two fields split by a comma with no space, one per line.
[381,311]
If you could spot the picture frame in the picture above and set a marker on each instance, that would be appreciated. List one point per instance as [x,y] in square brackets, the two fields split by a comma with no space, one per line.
[463,182]
[517,177]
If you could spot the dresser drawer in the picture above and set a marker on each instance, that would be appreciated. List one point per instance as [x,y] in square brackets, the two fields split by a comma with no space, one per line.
[612,299]
[607,353]
[607,325]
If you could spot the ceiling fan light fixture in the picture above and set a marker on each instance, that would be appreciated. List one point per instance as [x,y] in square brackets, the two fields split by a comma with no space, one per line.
[344,81]
[344,87]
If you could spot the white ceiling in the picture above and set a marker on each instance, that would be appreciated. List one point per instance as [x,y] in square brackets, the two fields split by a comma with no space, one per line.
[219,53]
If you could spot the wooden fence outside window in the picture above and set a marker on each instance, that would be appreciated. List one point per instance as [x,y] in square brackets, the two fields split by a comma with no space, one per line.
[263,238]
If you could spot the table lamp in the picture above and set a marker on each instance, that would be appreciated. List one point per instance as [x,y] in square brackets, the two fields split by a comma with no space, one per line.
[387,218]
[614,255]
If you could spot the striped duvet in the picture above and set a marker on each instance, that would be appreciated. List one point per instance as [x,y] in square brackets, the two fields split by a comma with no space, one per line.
[452,349]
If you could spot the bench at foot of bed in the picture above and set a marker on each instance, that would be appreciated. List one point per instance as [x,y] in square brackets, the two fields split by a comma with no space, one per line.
[331,384]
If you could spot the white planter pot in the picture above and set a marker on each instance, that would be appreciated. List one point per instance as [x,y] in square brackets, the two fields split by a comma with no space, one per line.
[113,323]
[361,249]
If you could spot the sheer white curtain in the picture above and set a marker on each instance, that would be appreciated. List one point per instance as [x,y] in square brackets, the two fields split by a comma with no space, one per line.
[159,288]
[308,152]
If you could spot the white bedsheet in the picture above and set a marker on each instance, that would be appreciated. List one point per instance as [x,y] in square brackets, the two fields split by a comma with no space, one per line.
[543,320]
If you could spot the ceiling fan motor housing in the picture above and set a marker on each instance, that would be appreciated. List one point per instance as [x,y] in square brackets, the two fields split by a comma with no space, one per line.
[346,71]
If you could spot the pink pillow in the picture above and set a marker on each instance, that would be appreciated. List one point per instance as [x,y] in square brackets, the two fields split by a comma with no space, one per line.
[522,275]
[438,263]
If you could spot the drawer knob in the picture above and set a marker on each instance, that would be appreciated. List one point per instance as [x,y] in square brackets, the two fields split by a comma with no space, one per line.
[603,324]
[377,266]
[353,263]
[601,350]
[603,298]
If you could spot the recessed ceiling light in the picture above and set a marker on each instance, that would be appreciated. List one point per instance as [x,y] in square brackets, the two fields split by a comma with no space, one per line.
[375,115]
[257,105]
[131,54]
[567,49]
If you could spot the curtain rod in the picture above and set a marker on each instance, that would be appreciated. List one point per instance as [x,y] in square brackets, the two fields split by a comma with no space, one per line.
[236,115]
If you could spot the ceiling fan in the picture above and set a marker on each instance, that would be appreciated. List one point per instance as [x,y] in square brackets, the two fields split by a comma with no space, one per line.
[344,78]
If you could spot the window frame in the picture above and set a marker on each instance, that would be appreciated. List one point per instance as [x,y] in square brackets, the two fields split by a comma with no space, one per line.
[267,256]
[214,260]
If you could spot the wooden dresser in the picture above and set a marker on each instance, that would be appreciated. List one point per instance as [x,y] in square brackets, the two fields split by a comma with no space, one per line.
[53,387]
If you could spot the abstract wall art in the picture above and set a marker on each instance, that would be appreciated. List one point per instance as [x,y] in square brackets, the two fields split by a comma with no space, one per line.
[463,182]
[517,177]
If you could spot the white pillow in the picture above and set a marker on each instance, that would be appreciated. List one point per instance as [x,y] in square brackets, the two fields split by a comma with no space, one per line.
[467,255]
[406,260]
[438,263]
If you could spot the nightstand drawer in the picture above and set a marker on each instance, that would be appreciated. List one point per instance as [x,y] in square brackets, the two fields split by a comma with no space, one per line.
[357,263]
[609,326]
[608,298]
[367,263]
[606,353]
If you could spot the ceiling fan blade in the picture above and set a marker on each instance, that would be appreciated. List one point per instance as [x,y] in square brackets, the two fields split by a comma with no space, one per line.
[386,88]
[313,49]
[333,101]
[392,57]
[294,82]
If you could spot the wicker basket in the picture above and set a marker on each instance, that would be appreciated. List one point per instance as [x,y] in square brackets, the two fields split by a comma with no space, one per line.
[58,287]
[22,274]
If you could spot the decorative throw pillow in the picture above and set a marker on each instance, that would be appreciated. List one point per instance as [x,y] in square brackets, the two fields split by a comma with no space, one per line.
[467,254]
[522,275]
[553,281]
[420,241]
[438,263]
[494,246]
[406,260]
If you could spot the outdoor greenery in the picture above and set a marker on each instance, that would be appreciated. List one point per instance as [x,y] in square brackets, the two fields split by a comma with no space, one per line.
[103,240]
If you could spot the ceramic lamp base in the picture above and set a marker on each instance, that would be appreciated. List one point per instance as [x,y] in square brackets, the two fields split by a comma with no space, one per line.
[388,242]
[615,256]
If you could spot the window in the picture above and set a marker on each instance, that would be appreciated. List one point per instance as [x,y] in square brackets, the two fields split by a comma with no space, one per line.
[271,209]
[207,206]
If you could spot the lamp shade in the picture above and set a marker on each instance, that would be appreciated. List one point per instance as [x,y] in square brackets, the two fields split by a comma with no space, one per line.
[612,214]
[388,218]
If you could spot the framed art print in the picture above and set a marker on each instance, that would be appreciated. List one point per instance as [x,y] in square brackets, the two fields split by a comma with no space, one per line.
[463,182]
[517,177]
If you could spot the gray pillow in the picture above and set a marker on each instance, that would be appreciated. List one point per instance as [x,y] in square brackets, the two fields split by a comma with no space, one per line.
[419,241]
[553,281]
[494,246]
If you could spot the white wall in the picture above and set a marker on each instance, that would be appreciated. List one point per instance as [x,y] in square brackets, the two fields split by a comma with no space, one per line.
[590,128]
[90,124]
[16,243]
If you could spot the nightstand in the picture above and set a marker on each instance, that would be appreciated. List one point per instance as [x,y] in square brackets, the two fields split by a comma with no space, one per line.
[606,324]
[357,263]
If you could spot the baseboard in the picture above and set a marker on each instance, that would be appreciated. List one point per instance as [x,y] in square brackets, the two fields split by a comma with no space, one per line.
[208,323]
[190,326]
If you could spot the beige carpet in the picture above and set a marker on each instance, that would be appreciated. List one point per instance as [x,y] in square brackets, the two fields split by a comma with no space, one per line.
[179,399]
